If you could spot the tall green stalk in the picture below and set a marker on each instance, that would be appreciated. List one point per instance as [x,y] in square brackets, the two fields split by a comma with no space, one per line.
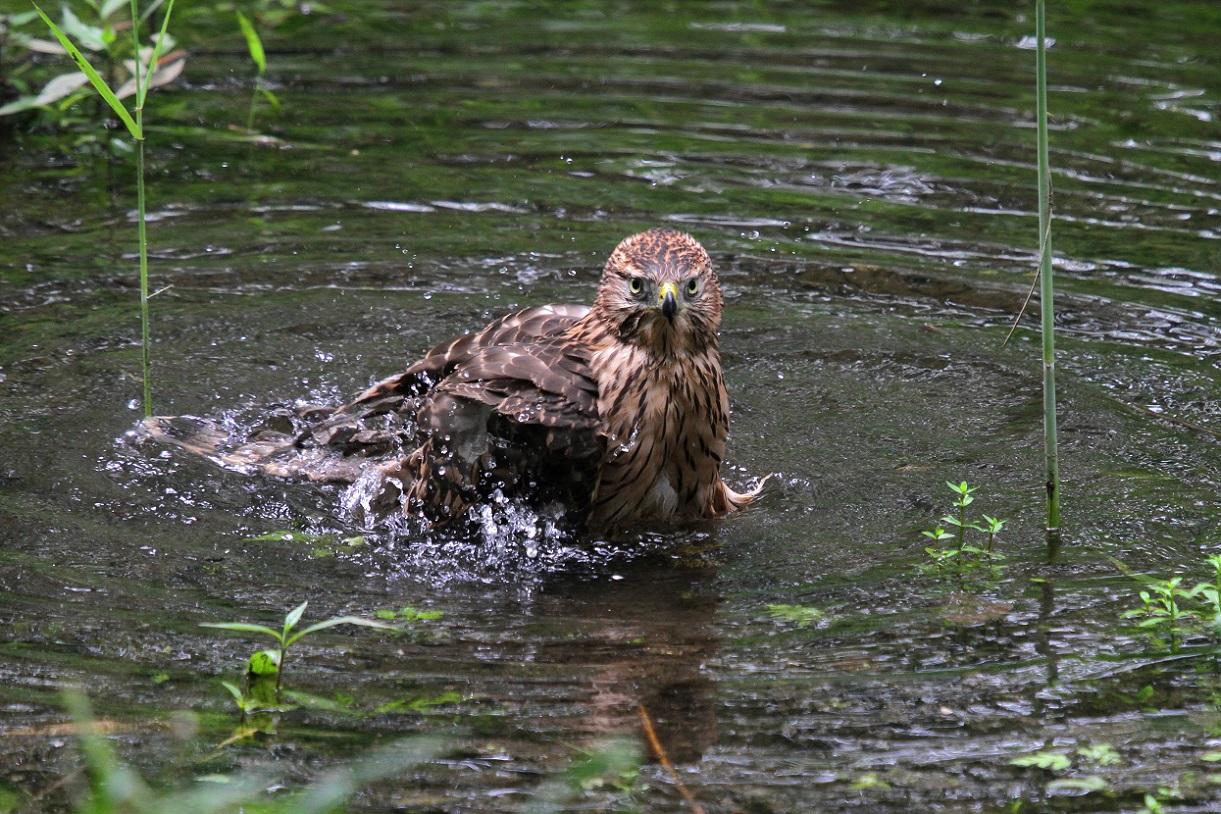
[1046,290]
[146,360]
[135,127]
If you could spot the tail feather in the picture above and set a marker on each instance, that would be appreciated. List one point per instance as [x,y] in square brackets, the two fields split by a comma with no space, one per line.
[267,452]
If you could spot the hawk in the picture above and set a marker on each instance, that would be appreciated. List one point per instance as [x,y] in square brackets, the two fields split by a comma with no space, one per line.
[617,411]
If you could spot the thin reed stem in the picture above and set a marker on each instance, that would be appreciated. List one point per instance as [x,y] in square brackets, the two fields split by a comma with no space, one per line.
[1046,290]
[141,231]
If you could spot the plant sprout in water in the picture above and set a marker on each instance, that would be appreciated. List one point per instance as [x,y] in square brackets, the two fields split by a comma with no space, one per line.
[267,661]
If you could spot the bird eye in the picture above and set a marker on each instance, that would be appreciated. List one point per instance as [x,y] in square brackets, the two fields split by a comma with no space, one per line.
[693,286]
[635,285]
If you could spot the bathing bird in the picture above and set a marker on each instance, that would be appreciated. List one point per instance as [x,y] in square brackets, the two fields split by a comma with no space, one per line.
[618,412]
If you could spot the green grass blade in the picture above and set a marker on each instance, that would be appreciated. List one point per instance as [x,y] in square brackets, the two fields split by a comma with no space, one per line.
[95,79]
[253,43]
[243,627]
[142,91]
[341,620]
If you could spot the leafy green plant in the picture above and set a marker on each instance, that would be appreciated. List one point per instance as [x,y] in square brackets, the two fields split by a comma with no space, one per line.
[1094,755]
[613,764]
[271,662]
[803,615]
[144,76]
[1051,761]
[1167,608]
[1100,754]
[122,60]
[114,788]
[408,613]
[1155,801]
[254,44]
[954,555]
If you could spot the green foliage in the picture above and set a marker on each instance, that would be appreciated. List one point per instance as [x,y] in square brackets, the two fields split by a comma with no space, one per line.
[1051,761]
[803,615]
[144,76]
[124,67]
[955,556]
[1091,756]
[267,663]
[254,44]
[1168,609]
[1155,802]
[613,764]
[422,705]
[408,613]
[1100,754]
[116,789]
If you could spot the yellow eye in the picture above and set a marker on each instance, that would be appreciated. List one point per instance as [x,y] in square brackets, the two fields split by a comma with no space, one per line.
[693,286]
[635,285]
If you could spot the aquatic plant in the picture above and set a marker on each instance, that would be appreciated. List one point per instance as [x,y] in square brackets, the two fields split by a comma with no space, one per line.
[1084,759]
[803,615]
[267,663]
[1167,608]
[143,77]
[98,34]
[613,763]
[254,44]
[115,788]
[1046,288]
[962,559]
[409,613]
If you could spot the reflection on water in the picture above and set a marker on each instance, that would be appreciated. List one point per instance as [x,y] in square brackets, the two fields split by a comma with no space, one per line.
[864,181]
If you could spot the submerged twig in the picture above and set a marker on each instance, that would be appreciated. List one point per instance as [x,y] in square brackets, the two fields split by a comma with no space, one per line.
[660,751]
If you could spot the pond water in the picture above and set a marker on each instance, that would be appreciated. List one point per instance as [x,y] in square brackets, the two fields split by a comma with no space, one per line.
[862,175]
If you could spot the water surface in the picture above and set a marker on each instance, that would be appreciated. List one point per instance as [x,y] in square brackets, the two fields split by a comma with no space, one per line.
[863,177]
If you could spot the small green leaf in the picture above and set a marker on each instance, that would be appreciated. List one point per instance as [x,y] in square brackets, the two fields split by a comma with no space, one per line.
[235,692]
[1053,761]
[1101,753]
[412,613]
[425,704]
[801,614]
[90,36]
[294,616]
[341,620]
[264,663]
[19,105]
[243,627]
[162,43]
[276,536]
[95,79]
[275,103]
[253,43]
[1086,784]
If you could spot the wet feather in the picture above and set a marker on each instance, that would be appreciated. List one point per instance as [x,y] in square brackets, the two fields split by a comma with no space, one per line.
[619,411]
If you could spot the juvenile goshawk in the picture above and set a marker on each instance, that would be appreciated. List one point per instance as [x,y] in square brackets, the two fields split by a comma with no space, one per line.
[618,411]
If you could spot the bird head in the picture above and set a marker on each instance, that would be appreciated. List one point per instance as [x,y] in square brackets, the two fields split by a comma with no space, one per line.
[659,290]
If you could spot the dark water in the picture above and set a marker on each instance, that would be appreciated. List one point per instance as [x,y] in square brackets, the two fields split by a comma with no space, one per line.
[863,176]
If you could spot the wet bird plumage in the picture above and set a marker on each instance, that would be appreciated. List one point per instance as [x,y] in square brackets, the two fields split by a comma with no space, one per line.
[618,411]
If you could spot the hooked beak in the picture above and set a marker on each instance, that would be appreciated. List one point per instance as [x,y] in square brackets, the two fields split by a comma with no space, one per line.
[667,300]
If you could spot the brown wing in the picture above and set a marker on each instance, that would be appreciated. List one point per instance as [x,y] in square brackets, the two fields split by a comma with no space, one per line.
[515,387]
[522,328]
[521,419]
